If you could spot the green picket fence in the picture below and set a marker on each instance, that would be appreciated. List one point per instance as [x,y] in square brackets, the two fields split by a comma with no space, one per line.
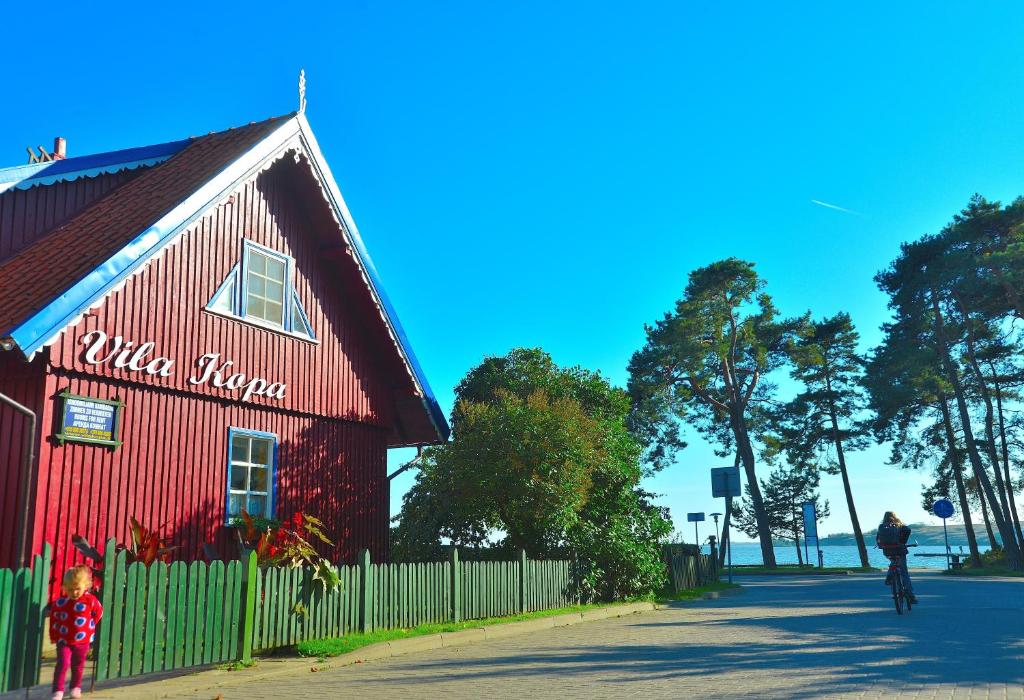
[548,585]
[407,595]
[288,607]
[490,589]
[161,617]
[23,595]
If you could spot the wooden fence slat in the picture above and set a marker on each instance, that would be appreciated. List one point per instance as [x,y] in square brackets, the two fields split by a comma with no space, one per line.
[140,617]
[201,603]
[217,598]
[160,626]
[191,612]
[6,632]
[149,626]
[210,616]
[117,615]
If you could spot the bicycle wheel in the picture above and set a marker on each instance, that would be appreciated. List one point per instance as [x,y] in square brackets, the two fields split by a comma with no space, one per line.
[897,593]
[906,597]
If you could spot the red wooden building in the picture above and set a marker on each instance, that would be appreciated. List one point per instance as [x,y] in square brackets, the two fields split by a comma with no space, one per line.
[199,328]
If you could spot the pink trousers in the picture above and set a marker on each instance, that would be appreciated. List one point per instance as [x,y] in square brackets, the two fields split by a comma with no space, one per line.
[73,655]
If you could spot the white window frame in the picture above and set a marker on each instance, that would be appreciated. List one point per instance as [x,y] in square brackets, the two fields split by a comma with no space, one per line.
[286,285]
[271,492]
[239,277]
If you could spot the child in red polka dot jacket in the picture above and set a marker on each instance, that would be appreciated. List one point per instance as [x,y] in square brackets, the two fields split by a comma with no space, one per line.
[73,620]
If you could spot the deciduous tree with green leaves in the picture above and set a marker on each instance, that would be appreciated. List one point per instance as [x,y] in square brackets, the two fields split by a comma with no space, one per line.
[540,459]
[706,364]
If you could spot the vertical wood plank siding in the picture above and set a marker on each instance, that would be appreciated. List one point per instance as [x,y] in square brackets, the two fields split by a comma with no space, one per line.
[341,377]
[26,215]
[333,426]
[177,476]
[24,384]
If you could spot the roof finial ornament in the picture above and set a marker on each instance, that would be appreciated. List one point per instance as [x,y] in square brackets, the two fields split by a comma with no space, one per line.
[302,91]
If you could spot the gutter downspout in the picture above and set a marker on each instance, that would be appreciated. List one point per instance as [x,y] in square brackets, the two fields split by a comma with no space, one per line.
[22,556]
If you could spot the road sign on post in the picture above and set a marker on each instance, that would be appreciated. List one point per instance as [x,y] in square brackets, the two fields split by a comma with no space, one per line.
[944,509]
[695,518]
[810,530]
[725,483]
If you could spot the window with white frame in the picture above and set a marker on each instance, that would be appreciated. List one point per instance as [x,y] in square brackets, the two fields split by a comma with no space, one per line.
[251,474]
[260,289]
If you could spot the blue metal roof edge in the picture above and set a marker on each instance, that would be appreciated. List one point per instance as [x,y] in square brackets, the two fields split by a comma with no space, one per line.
[36,331]
[23,176]
[430,402]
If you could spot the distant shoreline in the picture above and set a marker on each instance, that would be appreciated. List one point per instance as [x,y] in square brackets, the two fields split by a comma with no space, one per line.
[929,535]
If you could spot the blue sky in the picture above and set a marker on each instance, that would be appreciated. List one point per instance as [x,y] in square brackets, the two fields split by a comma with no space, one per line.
[546,174]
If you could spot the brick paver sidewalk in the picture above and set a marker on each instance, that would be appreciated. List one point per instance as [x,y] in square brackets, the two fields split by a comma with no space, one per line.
[781,637]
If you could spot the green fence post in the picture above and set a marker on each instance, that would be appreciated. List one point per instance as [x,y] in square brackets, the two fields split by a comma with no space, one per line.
[522,580]
[248,603]
[37,622]
[456,586]
[365,614]
[104,633]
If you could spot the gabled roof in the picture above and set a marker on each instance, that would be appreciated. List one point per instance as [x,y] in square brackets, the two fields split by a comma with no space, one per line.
[137,220]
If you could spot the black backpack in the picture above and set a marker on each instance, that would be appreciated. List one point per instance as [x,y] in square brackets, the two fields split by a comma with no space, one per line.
[890,535]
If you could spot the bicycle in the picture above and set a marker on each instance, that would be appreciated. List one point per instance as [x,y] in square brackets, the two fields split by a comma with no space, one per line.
[895,579]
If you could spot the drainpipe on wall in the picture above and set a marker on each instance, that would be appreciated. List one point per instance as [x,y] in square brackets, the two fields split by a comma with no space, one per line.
[23,557]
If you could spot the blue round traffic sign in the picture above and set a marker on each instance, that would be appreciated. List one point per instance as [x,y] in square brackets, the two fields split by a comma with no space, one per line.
[942,508]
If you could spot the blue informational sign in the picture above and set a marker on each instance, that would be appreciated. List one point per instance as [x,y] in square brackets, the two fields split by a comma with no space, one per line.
[943,508]
[810,524]
[695,517]
[725,482]
[85,419]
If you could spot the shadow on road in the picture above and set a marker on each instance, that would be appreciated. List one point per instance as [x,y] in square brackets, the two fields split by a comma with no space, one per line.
[810,637]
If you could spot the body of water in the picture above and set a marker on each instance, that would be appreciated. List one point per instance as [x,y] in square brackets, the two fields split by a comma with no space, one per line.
[844,555]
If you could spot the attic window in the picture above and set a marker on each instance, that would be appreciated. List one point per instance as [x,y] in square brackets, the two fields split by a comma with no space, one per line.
[260,290]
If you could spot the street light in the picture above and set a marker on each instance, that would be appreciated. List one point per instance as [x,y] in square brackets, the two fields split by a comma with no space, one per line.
[715,516]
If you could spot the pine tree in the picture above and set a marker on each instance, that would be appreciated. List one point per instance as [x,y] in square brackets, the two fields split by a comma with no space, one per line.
[821,424]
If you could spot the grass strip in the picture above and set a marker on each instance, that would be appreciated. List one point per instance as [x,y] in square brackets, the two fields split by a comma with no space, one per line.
[984,571]
[695,593]
[794,570]
[335,646]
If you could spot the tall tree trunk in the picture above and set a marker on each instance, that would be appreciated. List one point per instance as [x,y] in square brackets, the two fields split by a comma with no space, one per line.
[724,544]
[1006,533]
[990,436]
[726,522]
[956,464]
[799,554]
[1006,457]
[993,543]
[746,451]
[841,458]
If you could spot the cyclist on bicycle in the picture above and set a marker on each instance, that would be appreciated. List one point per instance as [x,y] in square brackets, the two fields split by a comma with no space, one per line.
[892,537]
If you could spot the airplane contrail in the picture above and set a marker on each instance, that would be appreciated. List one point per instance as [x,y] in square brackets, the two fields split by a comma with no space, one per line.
[836,207]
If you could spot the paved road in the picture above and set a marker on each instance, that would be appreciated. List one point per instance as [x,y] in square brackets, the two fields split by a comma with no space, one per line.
[781,637]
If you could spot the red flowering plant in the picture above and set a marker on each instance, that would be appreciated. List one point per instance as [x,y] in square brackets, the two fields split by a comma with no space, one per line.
[147,546]
[286,543]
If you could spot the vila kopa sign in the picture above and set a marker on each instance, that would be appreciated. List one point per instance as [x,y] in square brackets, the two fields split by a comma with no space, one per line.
[127,355]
